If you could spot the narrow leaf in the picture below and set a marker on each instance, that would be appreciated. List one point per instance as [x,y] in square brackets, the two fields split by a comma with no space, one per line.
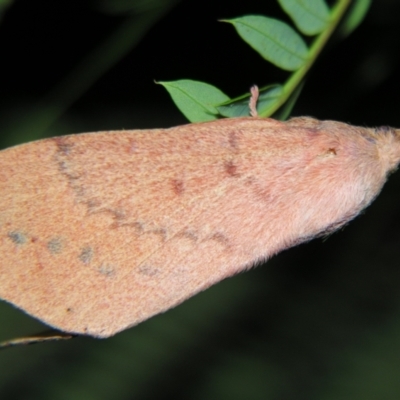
[268,98]
[236,108]
[239,107]
[284,112]
[274,40]
[195,99]
[355,16]
[310,16]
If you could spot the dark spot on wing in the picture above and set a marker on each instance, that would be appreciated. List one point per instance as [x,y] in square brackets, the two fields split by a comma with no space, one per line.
[86,255]
[137,226]
[62,145]
[178,186]
[220,238]
[18,237]
[233,140]
[231,169]
[92,205]
[158,231]
[116,214]
[188,235]
[64,160]
[107,270]
[54,245]
[141,229]
[147,270]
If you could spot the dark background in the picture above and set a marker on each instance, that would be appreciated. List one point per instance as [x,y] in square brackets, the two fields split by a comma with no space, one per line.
[319,321]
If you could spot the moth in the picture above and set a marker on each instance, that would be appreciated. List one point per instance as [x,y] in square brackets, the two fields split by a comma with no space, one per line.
[100,231]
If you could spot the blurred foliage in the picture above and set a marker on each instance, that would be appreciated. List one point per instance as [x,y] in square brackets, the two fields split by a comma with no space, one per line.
[320,321]
[4,4]
[356,15]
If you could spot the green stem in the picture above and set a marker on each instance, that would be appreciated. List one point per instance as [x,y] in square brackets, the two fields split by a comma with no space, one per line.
[297,77]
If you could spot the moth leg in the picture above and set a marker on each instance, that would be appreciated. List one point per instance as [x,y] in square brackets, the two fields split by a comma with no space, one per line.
[253,101]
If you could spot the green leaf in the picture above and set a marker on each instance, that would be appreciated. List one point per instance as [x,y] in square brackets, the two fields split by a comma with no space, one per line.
[268,97]
[310,16]
[355,16]
[274,40]
[195,99]
[239,107]
[284,112]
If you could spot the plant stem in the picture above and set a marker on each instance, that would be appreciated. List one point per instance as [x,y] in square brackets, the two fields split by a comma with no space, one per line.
[296,78]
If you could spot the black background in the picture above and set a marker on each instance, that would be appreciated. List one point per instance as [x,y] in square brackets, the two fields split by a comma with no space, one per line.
[319,321]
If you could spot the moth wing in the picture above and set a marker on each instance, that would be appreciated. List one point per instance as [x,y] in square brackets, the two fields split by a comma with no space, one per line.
[100,231]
